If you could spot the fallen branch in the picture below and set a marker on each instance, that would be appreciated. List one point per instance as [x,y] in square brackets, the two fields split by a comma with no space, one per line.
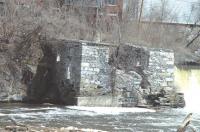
[185,124]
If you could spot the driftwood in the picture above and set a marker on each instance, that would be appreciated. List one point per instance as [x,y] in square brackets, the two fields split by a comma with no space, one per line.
[185,124]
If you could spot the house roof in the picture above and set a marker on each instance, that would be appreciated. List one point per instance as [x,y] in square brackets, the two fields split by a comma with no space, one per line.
[88,3]
[171,23]
[187,59]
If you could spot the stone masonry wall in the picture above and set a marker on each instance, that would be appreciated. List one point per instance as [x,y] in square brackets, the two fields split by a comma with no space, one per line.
[95,70]
[96,75]
[161,70]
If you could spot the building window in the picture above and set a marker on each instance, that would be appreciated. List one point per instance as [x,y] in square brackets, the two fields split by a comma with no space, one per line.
[2,11]
[113,2]
[69,2]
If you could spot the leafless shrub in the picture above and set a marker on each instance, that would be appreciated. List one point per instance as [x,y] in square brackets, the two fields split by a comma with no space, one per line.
[63,22]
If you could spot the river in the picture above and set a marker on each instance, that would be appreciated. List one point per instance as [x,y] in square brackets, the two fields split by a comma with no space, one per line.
[107,119]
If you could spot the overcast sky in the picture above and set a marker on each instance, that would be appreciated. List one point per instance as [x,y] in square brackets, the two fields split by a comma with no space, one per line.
[182,8]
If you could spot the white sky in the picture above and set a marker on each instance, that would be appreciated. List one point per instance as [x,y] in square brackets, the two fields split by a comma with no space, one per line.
[181,7]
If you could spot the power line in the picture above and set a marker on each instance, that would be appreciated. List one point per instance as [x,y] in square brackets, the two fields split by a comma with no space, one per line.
[189,2]
[198,34]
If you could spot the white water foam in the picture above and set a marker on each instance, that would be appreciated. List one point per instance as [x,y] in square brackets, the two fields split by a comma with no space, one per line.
[72,110]
[192,95]
[110,110]
[48,113]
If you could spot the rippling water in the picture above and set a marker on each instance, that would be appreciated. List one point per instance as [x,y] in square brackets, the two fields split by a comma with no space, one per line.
[108,119]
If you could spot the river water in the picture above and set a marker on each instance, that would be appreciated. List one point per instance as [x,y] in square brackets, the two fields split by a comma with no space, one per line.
[107,119]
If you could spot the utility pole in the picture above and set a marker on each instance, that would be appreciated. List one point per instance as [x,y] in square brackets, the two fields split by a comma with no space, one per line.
[141,10]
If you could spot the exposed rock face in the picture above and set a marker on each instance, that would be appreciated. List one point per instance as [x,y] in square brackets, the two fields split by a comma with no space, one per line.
[42,72]
[11,87]
[128,86]
[18,63]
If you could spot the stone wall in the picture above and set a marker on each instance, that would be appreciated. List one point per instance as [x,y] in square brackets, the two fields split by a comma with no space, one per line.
[161,70]
[85,69]
[126,68]
[95,70]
